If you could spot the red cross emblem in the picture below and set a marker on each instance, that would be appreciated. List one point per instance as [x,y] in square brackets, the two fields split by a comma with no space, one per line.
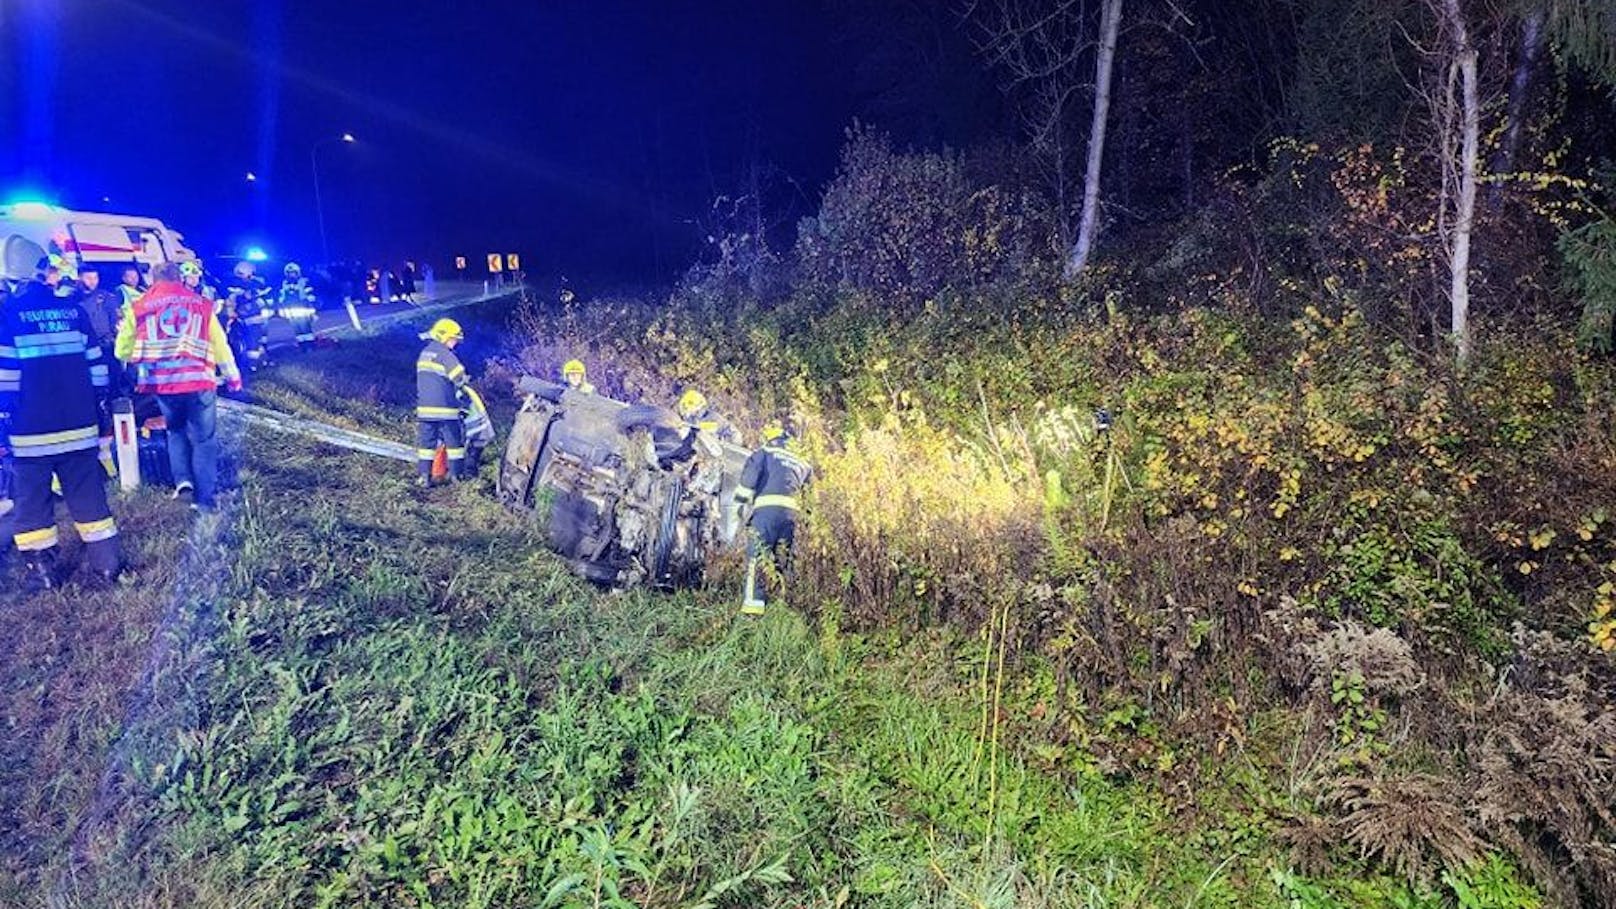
[174,321]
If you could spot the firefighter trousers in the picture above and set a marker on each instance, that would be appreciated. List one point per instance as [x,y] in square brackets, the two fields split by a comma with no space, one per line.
[774,529]
[84,488]
[451,434]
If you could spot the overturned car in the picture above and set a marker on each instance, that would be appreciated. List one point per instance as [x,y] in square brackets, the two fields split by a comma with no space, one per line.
[627,493]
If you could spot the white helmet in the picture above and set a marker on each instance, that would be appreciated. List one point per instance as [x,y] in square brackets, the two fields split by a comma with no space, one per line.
[20,258]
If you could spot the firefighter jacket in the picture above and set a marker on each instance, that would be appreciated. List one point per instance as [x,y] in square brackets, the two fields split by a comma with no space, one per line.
[772,478]
[53,376]
[439,377]
[296,294]
[479,428]
[175,342]
[245,296]
[708,420]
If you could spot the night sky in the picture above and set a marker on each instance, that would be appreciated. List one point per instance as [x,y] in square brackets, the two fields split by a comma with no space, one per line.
[590,136]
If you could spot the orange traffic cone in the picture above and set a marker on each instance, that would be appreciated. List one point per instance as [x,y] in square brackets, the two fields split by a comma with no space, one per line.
[440,464]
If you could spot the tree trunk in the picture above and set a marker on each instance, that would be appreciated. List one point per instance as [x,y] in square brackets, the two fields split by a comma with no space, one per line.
[1520,85]
[1464,212]
[1110,20]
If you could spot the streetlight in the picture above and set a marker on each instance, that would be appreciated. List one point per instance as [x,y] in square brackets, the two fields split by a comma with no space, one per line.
[319,208]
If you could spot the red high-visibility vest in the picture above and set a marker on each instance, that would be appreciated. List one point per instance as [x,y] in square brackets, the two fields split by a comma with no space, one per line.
[173,341]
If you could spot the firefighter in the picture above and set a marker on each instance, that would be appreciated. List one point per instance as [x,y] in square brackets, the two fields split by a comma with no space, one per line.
[576,377]
[244,316]
[699,415]
[769,484]
[296,303]
[440,383]
[191,277]
[54,381]
[178,350]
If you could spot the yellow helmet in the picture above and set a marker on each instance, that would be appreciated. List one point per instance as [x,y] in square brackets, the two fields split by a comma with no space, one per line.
[573,368]
[191,268]
[772,431]
[445,330]
[691,402]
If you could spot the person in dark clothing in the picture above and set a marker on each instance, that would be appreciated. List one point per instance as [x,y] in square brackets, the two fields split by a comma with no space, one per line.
[769,484]
[102,307]
[54,381]
[406,282]
[243,316]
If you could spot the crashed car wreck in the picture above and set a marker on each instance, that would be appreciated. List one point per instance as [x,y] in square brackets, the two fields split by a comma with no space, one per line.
[628,494]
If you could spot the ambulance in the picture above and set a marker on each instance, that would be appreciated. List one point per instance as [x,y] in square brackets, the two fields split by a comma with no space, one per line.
[83,238]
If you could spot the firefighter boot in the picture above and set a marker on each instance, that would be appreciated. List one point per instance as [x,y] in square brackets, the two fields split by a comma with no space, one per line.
[39,571]
[751,601]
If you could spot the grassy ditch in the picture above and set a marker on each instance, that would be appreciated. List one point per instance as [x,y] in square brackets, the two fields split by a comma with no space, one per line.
[400,699]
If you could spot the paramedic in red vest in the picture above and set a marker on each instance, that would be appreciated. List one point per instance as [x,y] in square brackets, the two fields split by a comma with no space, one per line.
[53,379]
[174,343]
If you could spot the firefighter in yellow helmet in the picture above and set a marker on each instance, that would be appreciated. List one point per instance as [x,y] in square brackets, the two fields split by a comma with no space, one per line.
[770,482]
[440,393]
[576,377]
[699,415]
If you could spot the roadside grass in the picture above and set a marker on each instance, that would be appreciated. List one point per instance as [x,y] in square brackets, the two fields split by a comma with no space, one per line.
[408,702]
[69,660]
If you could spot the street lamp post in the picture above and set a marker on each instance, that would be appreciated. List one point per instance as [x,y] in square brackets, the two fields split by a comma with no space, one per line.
[319,207]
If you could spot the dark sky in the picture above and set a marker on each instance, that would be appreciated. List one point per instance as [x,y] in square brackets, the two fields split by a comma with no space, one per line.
[586,135]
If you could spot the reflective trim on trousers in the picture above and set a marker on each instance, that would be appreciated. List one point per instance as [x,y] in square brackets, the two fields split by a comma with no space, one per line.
[51,442]
[96,531]
[35,540]
[776,501]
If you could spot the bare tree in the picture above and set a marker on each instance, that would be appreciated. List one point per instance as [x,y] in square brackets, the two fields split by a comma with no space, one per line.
[1457,109]
[1040,45]
[1110,19]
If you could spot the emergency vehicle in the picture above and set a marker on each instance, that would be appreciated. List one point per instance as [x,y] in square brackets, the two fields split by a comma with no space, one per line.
[83,238]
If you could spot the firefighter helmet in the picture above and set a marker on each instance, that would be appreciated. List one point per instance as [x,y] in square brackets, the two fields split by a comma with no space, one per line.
[573,368]
[445,330]
[190,268]
[292,271]
[692,402]
[20,260]
[774,432]
[244,269]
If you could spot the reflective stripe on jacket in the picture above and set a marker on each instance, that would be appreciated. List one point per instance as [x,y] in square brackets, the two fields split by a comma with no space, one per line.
[479,428]
[174,341]
[52,374]
[772,478]
[439,376]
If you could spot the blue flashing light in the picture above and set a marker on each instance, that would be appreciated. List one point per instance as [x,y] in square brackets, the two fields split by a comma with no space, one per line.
[31,210]
[256,254]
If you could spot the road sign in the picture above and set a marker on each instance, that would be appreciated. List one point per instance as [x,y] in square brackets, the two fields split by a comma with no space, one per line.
[460,263]
[494,263]
[513,262]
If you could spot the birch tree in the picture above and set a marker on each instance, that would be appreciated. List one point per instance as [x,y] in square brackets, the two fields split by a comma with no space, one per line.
[1457,104]
[1041,45]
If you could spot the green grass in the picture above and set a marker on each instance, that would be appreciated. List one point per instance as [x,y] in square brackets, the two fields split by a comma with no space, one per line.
[400,699]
